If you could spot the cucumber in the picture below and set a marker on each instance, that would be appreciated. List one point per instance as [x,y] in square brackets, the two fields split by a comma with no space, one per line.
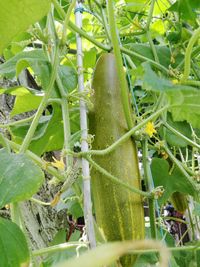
[179,201]
[119,212]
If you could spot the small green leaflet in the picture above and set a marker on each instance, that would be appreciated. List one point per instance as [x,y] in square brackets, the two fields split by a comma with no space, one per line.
[20,14]
[19,179]
[174,182]
[14,250]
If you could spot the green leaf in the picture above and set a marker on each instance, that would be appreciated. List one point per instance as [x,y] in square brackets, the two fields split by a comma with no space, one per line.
[49,134]
[20,177]
[26,99]
[186,8]
[185,105]
[26,102]
[10,66]
[163,52]
[14,250]
[89,59]
[18,132]
[68,76]
[153,82]
[172,139]
[20,14]
[172,182]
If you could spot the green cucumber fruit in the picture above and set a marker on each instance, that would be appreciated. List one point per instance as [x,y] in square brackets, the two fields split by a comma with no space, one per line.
[179,201]
[119,212]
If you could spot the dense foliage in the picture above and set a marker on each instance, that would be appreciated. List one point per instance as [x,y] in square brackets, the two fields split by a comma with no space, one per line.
[156,47]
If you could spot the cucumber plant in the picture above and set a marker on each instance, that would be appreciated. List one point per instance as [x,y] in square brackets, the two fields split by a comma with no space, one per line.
[144,87]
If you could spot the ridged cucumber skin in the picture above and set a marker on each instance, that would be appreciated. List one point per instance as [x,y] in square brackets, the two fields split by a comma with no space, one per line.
[179,201]
[119,212]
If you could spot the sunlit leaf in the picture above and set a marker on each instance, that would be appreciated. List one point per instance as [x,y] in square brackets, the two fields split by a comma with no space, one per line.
[16,16]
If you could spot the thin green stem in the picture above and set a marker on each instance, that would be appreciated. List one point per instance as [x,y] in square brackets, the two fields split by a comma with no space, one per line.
[143,58]
[40,202]
[42,105]
[173,130]
[150,15]
[105,23]
[188,53]
[191,222]
[126,136]
[14,123]
[148,180]
[15,214]
[116,180]
[180,166]
[66,121]
[74,28]
[60,247]
[191,82]
[66,22]
[152,47]
[119,65]
[4,142]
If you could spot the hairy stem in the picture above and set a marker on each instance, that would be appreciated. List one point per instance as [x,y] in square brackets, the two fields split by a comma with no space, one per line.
[119,65]
[42,105]
[126,136]
[188,53]
[117,181]
[148,179]
[76,29]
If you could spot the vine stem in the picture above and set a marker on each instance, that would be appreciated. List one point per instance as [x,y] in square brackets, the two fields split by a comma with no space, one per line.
[119,65]
[66,22]
[78,30]
[177,133]
[66,120]
[84,136]
[43,164]
[178,164]
[125,137]
[60,247]
[188,53]
[148,180]
[42,105]
[118,181]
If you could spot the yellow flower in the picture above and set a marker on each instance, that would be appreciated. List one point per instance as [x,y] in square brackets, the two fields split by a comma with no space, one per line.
[58,164]
[149,129]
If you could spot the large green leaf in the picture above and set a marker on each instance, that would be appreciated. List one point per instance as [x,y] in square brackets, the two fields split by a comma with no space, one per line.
[13,246]
[185,105]
[16,16]
[20,177]
[172,182]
